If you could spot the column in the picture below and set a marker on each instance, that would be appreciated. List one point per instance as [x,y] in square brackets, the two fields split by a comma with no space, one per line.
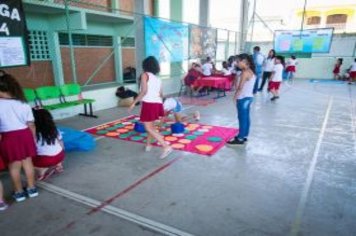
[204,12]
[54,47]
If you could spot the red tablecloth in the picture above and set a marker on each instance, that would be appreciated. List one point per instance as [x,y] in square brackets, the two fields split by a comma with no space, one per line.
[219,82]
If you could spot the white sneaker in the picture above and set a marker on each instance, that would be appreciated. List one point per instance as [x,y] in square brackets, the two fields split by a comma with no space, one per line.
[148,148]
[166,153]
[197,115]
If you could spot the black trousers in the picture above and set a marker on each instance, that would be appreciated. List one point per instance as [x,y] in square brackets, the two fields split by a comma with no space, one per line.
[266,75]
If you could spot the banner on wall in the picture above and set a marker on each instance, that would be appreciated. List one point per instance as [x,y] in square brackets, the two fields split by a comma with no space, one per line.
[307,41]
[14,50]
[203,42]
[166,40]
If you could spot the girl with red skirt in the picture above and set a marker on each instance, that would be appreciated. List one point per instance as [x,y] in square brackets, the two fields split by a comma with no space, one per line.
[17,144]
[3,205]
[50,148]
[337,68]
[152,106]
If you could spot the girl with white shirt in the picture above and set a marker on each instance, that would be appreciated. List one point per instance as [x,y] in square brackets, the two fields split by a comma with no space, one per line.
[352,72]
[276,78]
[50,148]
[291,67]
[17,144]
[267,68]
[207,67]
[152,106]
[243,97]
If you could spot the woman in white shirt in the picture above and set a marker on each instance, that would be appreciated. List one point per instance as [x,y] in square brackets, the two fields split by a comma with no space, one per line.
[267,68]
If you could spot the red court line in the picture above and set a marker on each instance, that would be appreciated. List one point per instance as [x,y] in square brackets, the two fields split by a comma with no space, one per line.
[132,186]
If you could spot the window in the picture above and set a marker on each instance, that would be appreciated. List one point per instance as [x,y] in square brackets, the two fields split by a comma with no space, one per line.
[313,20]
[336,19]
[128,42]
[86,40]
[38,41]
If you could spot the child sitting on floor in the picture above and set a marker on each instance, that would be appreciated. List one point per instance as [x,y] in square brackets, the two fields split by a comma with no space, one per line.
[50,147]
[173,105]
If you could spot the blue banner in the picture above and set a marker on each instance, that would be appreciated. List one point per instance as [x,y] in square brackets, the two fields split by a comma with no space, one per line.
[167,41]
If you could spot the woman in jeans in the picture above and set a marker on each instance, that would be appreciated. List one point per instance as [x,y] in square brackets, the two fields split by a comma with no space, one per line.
[243,97]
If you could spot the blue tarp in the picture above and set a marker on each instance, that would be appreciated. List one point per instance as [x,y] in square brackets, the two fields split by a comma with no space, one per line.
[75,140]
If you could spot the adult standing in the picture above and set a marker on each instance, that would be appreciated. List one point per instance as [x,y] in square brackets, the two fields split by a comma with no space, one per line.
[152,106]
[243,97]
[268,66]
[258,59]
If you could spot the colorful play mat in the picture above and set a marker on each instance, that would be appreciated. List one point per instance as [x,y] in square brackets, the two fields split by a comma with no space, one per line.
[197,138]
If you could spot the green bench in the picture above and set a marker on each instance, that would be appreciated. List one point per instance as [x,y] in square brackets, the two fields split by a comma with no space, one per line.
[53,98]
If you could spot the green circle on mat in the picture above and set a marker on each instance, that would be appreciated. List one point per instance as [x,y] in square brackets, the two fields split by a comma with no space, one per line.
[143,134]
[166,132]
[186,131]
[191,137]
[111,128]
[124,135]
[214,139]
[198,133]
[136,138]
[152,141]
[101,132]
[119,126]
[132,133]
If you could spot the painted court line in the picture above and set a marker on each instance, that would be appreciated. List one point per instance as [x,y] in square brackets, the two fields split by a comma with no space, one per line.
[304,197]
[114,211]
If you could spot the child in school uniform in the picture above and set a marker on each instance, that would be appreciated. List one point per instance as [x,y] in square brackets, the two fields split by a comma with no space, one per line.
[337,68]
[152,107]
[352,72]
[50,147]
[3,205]
[17,145]
[276,78]
[291,67]
[173,105]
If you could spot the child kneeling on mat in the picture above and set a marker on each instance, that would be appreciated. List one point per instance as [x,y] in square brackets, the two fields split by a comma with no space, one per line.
[50,148]
[173,105]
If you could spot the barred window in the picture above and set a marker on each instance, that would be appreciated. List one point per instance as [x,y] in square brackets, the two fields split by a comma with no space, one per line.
[39,50]
[86,40]
[128,42]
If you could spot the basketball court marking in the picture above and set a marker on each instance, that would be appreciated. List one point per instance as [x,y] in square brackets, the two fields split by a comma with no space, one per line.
[114,211]
[305,192]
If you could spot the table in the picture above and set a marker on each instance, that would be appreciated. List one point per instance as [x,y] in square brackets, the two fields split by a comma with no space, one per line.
[221,83]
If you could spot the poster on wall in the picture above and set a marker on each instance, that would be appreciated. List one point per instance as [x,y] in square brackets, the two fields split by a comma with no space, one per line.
[166,40]
[14,50]
[203,42]
[307,41]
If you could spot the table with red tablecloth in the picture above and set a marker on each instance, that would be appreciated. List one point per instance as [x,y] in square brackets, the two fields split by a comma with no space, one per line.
[221,83]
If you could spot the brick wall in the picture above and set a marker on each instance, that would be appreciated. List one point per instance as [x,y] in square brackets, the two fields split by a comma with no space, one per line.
[40,73]
[126,5]
[87,60]
[128,57]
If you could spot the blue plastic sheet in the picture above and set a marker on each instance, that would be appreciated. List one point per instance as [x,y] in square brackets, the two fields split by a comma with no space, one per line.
[75,140]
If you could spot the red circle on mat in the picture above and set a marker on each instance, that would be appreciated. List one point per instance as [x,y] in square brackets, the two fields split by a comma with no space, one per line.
[204,147]
[122,130]
[129,127]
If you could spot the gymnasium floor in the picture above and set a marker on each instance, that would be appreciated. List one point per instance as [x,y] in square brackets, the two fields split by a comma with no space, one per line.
[296,176]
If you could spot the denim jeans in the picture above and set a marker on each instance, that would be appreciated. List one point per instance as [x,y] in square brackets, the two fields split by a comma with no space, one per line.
[258,77]
[243,115]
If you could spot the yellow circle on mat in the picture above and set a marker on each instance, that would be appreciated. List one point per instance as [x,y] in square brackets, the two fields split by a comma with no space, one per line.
[177,145]
[204,147]
[206,127]
[170,138]
[193,125]
[122,130]
[112,134]
[184,141]
[191,128]
[126,123]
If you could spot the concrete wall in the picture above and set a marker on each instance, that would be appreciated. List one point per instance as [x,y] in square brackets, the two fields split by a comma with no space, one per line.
[320,66]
